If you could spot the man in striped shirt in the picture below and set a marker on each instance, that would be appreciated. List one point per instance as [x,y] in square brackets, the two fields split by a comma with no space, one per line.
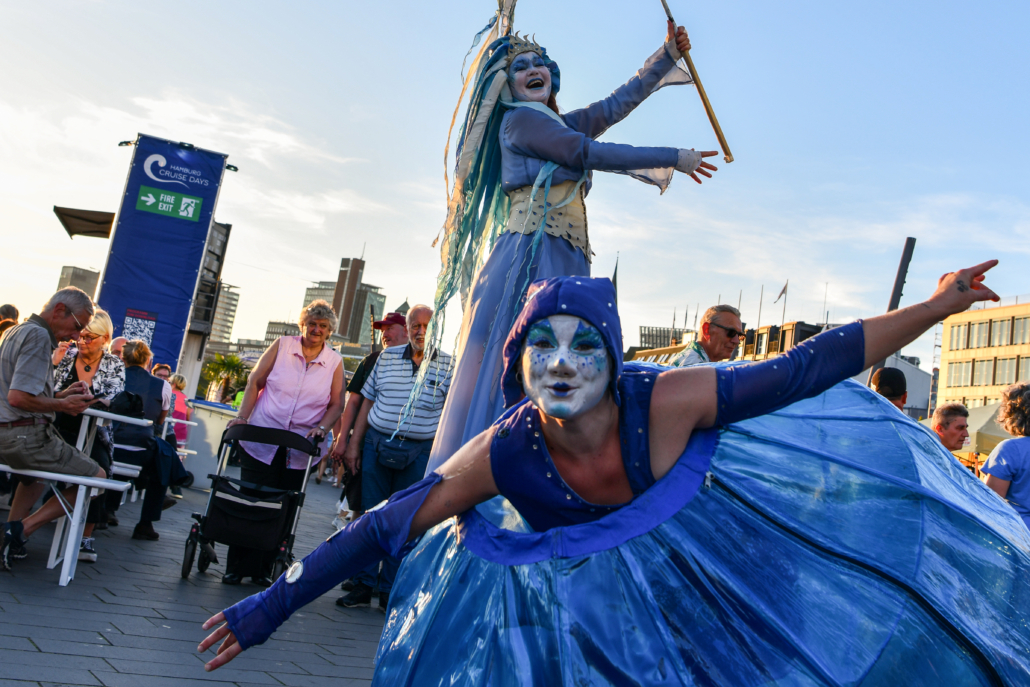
[393,463]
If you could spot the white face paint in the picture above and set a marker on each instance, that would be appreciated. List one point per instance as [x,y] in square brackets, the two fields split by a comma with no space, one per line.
[529,78]
[565,367]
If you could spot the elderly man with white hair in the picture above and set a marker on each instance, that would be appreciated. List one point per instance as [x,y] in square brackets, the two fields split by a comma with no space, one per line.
[395,444]
[28,406]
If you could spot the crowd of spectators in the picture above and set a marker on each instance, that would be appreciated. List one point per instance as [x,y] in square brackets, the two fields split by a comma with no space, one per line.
[53,366]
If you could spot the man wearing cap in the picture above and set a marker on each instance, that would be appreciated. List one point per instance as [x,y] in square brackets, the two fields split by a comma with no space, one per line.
[395,333]
[890,383]
[721,333]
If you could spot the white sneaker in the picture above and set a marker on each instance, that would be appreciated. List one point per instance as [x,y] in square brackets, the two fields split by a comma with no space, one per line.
[86,551]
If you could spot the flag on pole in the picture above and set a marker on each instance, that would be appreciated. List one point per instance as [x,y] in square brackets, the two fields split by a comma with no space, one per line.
[615,278]
[782,293]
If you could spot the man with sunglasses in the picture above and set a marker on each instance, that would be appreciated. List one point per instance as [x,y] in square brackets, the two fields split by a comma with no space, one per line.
[28,404]
[721,333]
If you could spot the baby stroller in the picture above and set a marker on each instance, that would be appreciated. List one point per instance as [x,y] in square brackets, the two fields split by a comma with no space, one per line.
[237,517]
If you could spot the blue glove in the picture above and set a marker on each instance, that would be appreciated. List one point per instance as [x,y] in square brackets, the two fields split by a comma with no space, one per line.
[379,533]
[807,370]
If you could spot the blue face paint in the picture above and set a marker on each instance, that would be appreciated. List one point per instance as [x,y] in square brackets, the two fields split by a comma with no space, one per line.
[529,78]
[565,366]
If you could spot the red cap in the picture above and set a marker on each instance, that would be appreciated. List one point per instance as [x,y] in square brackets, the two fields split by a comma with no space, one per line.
[391,318]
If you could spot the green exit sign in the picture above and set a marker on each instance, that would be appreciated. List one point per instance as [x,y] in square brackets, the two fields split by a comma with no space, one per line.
[169,203]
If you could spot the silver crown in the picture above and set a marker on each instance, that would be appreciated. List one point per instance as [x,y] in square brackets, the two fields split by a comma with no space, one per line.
[519,45]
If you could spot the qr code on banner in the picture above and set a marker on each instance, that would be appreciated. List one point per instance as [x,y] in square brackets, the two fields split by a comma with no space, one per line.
[139,325]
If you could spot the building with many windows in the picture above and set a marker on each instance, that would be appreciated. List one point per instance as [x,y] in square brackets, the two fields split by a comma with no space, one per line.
[79,277]
[661,337]
[225,314]
[984,351]
[323,290]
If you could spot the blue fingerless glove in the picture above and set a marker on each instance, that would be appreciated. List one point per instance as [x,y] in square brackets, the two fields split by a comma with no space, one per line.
[807,370]
[377,534]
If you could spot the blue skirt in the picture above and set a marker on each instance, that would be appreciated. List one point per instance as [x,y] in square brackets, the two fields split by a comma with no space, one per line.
[834,542]
[474,400]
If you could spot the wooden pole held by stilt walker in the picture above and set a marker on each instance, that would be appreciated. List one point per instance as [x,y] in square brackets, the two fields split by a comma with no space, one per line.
[727,155]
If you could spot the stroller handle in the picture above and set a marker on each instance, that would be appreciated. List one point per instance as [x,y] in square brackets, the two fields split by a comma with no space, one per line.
[273,436]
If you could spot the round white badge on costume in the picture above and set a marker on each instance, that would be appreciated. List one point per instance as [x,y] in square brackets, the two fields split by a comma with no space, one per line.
[294,573]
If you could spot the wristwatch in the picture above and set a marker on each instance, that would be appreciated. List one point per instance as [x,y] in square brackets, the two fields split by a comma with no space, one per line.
[322,428]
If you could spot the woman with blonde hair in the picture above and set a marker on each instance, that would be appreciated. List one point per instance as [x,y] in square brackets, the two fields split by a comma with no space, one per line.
[1008,467]
[88,360]
[180,411]
[297,385]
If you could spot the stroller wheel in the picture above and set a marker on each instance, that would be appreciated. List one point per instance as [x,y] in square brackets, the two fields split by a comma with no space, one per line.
[188,482]
[204,560]
[278,569]
[187,559]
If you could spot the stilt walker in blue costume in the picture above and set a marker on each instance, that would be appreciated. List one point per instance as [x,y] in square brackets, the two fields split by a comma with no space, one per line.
[516,212]
[771,523]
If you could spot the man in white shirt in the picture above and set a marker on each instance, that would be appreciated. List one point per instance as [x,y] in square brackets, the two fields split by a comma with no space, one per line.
[390,446]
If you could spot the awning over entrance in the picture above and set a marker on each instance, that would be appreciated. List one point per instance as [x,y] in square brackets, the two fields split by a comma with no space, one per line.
[85,222]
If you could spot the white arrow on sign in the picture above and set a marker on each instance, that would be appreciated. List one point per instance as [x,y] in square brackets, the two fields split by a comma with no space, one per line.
[148,199]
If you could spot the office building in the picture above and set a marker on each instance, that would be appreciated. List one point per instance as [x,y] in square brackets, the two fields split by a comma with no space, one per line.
[982,352]
[276,329]
[79,277]
[346,292]
[361,318]
[661,337]
[225,314]
[323,290]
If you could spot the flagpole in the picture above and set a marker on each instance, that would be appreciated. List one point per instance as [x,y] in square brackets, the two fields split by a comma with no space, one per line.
[761,295]
[783,318]
[825,292]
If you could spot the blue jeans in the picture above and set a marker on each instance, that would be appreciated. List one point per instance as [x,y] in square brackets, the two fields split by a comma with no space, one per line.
[378,483]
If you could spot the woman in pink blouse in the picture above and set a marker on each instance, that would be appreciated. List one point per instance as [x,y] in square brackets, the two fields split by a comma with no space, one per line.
[296,385]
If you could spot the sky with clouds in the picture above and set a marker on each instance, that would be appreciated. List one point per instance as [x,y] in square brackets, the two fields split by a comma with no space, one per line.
[853,126]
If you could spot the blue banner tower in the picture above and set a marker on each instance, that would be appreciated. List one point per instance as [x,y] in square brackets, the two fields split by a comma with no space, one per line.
[158,243]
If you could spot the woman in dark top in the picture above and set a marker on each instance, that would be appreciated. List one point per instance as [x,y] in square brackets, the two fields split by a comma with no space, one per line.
[136,444]
[88,360]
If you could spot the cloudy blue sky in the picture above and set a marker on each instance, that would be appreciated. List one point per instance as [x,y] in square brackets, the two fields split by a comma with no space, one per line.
[853,125]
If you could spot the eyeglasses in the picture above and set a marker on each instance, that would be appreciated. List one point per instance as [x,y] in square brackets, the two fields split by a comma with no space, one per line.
[86,336]
[77,323]
[734,334]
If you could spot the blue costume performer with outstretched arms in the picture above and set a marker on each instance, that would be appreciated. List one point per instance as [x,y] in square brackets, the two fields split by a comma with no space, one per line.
[771,523]
[516,212]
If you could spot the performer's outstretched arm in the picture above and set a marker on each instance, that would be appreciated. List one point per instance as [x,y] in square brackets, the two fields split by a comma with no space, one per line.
[460,483]
[696,397]
[594,119]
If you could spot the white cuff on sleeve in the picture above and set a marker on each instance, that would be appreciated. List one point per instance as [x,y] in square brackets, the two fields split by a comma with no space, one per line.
[674,52]
[688,161]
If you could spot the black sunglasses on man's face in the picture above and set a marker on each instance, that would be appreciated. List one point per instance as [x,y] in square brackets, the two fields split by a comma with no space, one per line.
[733,333]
